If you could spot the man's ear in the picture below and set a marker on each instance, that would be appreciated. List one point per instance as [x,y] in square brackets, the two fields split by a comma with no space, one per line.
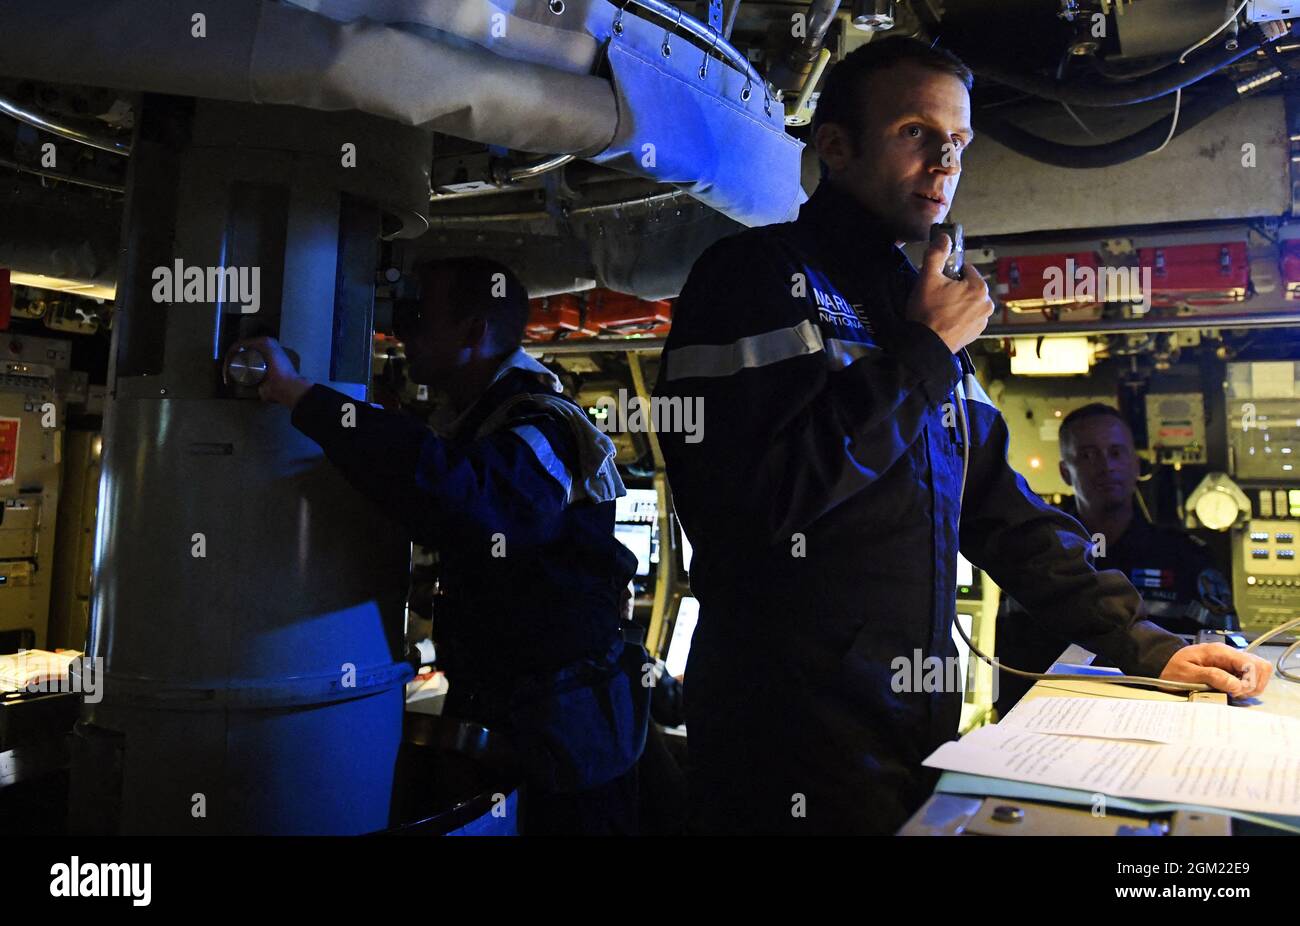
[834,146]
[1065,473]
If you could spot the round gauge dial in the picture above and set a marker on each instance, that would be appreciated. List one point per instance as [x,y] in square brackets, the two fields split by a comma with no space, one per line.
[1217,510]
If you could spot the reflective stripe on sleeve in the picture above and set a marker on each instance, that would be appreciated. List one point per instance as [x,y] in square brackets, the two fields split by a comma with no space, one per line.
[758,350]
[541,449]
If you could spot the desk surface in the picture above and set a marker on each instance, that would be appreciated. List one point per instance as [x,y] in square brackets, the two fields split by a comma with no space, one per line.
[951,813]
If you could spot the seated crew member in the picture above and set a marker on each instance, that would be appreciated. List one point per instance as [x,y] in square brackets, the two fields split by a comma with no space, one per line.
[823,502]
[1182,590]
[517,496]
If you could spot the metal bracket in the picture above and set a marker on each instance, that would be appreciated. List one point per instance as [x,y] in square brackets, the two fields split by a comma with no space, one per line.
[715,15]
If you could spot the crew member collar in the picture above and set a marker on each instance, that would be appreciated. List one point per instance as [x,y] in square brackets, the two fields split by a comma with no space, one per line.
[446,421]
[846,228]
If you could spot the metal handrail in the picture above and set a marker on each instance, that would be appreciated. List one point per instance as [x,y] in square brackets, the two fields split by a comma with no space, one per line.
[62,177]
[707,38]
[536,169]
[36,120]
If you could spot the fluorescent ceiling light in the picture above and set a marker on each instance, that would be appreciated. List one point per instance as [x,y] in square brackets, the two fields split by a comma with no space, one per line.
[1050,356]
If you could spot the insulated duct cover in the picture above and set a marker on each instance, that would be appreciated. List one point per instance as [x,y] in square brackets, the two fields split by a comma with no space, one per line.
[731,154]
[700,134]
[525,31]
[659,120]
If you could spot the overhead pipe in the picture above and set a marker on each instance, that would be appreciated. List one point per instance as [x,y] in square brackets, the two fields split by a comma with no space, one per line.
[505,180]
[1191,113]
[66,178]
[536,169]
[1144,67]
[793,71]
[657,199]
[729,21]
[273,53]
[1176,77]
[37,121]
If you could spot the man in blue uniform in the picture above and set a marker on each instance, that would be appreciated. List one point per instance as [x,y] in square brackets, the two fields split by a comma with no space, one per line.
[517,495]
[825,501]
[1182,589]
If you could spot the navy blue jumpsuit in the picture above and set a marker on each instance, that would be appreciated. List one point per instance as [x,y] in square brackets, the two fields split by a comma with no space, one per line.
[530,581]
[822,503]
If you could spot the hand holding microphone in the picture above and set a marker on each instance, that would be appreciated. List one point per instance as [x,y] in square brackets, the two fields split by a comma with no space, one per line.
[949,298]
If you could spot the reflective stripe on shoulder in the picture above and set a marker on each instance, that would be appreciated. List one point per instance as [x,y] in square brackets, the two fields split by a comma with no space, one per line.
[758,350]
[541,449]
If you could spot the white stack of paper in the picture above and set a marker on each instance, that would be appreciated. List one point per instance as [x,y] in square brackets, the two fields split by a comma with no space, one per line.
[35,670]
[1191,753]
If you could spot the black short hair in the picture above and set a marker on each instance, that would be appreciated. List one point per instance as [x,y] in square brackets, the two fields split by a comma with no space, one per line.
[842,101]
[479,287]
[1091,410]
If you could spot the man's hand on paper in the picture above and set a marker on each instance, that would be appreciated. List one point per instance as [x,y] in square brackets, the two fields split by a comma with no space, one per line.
[1241,675]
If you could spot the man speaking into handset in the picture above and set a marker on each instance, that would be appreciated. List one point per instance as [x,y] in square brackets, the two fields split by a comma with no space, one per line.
[826,503]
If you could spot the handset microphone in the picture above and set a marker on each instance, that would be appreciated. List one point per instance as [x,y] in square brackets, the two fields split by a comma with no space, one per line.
[952,267]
